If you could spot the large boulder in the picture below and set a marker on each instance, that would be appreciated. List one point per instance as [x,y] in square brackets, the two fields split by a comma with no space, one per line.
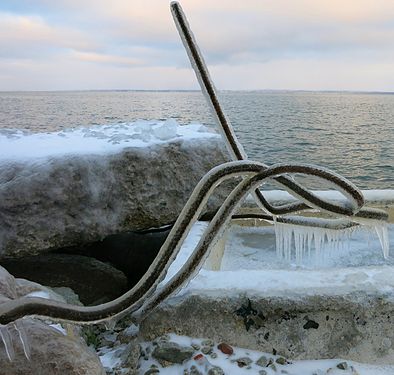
[69,189]
[51,351]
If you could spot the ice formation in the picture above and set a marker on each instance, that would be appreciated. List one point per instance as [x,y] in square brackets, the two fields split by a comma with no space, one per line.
[299,243]
[6,338]
[98,139]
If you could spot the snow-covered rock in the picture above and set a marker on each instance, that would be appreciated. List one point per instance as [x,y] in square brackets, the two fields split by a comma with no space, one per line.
[29,346]
[77,186]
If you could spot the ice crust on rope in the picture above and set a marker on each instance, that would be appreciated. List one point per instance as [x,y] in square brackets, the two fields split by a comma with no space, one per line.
[6,338]
[299,243]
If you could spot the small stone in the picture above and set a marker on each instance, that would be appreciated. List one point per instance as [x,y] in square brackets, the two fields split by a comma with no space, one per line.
[195,346]
[213,355]
[206,350]
[194,371]
[152,371]
[281,361]
[272,366]
[342,366]
[244,361]
[225,348]
[284,372]
[262,372]
[172,352]
[262,361]
[215,371]
[207,343]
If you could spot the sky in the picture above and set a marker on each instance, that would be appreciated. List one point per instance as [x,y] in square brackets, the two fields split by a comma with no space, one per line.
[248,44]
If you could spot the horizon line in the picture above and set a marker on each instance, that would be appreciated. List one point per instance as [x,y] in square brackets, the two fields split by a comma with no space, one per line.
[198,90]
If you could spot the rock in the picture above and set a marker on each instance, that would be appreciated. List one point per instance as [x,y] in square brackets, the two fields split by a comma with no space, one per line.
[243,362]
[195,346]
[272,367]
[262,372]
[343,365]
[152,371]
[52,353]
[93,281]
[206,350]
[213,355]
[215,371]
[262,361]
[172,352]
[281,361]
[194,371]
[225,348]
[67,200]
[207,343]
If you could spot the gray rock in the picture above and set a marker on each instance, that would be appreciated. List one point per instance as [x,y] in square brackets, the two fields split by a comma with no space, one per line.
[262,372]
[262,361]
[172,352]
[93,281]
[152,371]
[60,201]
[215,371]
[243,362]
[206,350]
[52,353]
[194,371]
[281,361]
[343,365]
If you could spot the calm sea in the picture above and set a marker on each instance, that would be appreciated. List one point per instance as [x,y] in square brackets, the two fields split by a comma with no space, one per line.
[350,133]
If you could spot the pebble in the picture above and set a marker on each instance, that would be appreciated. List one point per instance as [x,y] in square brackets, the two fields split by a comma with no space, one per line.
[194,371]
[172,352]
[262,372]
[215,371]
[225,348]
[262,361]
[343,366]
[195,346]
[243,362]
[213,355]
[206,349]
[272,366]
[281,361]
[207,342]
[151,371]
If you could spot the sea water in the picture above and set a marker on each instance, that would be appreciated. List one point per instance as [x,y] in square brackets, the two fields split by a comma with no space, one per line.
[350,133]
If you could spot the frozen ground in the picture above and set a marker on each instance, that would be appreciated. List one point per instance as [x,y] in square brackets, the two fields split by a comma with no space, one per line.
[250,263]
[230,366]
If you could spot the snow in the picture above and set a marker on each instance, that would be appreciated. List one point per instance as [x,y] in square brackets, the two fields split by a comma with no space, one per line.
[228,364]
[40,294]
[373,195]
[100,139]
[250,264]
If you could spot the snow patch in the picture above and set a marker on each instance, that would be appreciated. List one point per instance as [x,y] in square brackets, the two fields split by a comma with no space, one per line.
[100,139]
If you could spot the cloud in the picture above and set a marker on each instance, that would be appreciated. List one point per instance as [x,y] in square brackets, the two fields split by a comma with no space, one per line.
[239,39]
[30,36]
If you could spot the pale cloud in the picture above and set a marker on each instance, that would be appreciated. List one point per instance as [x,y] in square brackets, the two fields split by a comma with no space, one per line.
[249,44]
[25,36]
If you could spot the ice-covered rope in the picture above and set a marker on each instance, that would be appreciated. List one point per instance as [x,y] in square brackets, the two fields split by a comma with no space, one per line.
[133,299]
[234,147]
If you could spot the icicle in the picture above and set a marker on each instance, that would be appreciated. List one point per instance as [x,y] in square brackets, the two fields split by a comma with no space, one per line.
[7,341]
[382,232]
[20,328]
